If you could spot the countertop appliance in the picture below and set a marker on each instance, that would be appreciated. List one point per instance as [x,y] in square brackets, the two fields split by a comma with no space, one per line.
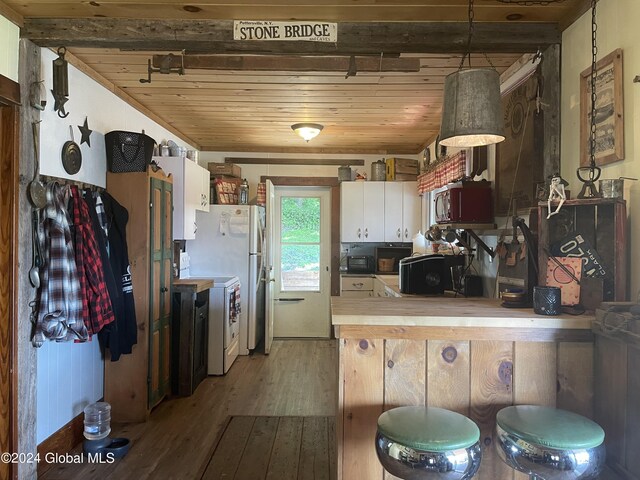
[224,324]
[230,242]
[465,202]
[396,253]
[360,264]
[422,274]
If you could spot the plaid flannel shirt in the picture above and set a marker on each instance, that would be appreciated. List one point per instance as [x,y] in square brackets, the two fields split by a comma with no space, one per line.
[96,304]
[59,303]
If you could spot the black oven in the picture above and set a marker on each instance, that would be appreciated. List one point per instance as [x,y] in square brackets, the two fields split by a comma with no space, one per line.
[360,264]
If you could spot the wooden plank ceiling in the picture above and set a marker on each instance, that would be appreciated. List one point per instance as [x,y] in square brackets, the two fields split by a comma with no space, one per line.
[248,110]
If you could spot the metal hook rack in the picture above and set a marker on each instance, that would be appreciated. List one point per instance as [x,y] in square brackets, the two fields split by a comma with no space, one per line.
[165,67]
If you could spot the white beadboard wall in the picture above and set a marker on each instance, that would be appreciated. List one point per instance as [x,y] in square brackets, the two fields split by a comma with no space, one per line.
[71,375]
[9,40]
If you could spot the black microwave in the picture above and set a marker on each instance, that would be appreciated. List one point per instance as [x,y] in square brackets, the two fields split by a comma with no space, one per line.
[360,264]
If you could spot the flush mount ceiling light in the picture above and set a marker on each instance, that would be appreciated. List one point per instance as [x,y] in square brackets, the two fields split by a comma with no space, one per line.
[472,108]
[307,130]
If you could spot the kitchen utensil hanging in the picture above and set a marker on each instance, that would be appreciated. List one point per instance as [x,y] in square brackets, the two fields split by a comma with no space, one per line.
[71,155]
[34,272]
[37,192]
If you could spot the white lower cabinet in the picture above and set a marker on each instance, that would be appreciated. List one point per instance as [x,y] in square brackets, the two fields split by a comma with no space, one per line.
[356,286]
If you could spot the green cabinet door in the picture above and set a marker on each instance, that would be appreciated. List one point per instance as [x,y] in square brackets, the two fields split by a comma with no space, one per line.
[160,274]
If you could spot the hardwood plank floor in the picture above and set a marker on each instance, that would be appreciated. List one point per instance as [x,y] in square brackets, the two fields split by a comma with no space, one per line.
[298,378]
[273,448]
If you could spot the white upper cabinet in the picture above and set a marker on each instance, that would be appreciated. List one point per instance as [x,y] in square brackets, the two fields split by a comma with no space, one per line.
[401,211]
[188,194]
[393,200]
[411,211]
[379,211]
[206,189]
[362,212]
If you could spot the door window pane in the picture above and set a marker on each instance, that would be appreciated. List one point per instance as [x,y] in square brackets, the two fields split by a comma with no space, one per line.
[300,243]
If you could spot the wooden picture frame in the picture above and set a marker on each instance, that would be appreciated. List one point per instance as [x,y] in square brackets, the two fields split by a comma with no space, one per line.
[609,111]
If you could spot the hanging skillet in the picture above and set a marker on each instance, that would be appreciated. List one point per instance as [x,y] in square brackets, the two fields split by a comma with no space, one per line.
[71,156]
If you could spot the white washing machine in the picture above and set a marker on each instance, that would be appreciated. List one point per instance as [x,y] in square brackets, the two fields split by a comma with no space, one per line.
[224,324]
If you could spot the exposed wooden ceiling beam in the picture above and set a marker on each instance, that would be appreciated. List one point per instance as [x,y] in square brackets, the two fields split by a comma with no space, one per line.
[354,38]
[286,63]
[292,161]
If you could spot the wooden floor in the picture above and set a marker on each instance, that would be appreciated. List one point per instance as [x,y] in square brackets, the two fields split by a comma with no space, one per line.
[298,378]
[274,448]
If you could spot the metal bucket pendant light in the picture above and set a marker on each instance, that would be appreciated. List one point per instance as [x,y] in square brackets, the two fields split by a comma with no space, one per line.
[592,172]
[472,107]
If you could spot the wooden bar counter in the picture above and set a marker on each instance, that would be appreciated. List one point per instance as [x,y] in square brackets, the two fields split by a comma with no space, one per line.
[468,355]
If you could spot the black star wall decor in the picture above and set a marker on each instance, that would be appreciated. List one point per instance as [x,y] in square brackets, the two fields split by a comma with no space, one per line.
[86,132]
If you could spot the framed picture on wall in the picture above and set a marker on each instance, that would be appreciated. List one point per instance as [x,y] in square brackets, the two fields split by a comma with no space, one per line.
[609,111]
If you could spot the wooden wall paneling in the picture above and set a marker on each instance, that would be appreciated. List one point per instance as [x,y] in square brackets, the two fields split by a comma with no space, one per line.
[534,375]
[632,433]
[404,376]
[448,375]
[26,367]
[534,378]
[364,373]
[339,426]
[491,389]
[575,377]
[610,396]
[404,373]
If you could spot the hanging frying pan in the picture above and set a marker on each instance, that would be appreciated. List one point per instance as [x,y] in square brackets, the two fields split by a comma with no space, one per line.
[37,192]
[71,156]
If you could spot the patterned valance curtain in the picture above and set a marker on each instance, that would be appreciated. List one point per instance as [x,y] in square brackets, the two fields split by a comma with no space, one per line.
[451,169]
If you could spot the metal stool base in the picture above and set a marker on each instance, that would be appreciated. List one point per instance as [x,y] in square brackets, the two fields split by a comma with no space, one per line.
[411,464]
[544,463]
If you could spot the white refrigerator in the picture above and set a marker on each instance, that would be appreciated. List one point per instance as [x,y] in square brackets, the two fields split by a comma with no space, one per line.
[229,242]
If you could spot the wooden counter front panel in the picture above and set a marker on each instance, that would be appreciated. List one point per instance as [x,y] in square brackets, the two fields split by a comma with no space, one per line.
[475,378]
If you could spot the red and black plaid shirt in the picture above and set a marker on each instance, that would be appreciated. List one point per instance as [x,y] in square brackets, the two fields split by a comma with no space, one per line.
[96,304]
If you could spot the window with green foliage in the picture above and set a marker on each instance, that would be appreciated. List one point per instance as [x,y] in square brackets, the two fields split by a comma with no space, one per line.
[300,243]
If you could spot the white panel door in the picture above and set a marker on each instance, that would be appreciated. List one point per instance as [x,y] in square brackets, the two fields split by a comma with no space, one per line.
[351,211]
[373,212]
[302,256]
[393,200]
[411,211]
[268,272]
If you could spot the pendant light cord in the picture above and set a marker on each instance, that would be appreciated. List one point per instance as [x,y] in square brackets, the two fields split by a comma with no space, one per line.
[588,175]
[469,37]
[594,57]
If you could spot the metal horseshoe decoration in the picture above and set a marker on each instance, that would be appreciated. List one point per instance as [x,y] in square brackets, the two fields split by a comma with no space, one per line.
[60,83]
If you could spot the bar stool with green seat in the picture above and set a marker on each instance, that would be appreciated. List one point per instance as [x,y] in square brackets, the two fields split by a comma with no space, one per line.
[417,443]
[550,444]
